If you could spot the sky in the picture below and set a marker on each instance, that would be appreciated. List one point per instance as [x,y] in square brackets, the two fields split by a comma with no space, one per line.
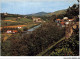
[34,6]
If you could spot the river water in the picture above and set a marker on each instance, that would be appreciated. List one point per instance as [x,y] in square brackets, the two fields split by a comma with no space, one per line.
[32,29]
[29,31]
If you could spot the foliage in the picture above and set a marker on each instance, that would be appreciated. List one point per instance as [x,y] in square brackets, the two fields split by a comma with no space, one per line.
[5,48]
[69,47]
[22,44]
[72,11]
[25,28]
[39,40]
[62,52]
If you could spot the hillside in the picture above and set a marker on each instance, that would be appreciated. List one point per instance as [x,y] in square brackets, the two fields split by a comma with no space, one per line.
[48,14]
[39,14]
[58,12]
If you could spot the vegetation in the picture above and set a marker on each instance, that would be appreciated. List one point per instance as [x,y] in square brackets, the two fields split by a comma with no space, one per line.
[68,47]
[36,42]
[49,38]
[20,21]
[58,12]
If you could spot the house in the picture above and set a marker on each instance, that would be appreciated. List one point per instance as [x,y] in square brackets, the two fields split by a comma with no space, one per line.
[35,19]
[19,27]
[65,18]
[19,17]
[11,31]
[57,20]
[79,16]
[62,20]
[25,16]
[5,14]
[14,31]
[8,31]
[66,23]
[70,20]
[62,24]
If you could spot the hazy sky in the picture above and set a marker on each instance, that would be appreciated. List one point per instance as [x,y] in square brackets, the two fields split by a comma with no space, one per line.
[34,6]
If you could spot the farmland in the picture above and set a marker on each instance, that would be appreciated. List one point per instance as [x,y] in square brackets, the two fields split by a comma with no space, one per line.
[14,22]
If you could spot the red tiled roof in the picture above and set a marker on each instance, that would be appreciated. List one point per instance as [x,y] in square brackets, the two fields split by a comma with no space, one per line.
[62,23]
[70,19]
[19,26]
[62,20]
[15,31]
[58,19]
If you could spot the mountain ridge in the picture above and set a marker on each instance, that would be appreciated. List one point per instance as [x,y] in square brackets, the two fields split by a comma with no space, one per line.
[49,14]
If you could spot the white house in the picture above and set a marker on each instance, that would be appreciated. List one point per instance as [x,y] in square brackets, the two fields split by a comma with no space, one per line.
[9,31]
[35,19]
[65,18]
[19,27]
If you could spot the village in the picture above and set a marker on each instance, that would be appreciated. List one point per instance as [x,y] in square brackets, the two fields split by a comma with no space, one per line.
[69,24]
[11,29]
[40,28]
[8,30]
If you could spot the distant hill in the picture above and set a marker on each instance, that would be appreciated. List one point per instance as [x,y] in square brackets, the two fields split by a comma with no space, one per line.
[36,14]
[49,14]
[39,14]
[58,12]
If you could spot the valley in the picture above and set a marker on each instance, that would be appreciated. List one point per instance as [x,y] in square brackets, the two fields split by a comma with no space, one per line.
[41,34]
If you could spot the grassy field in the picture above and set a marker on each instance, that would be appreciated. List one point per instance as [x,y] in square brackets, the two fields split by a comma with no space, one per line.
[11,22]
[15,22]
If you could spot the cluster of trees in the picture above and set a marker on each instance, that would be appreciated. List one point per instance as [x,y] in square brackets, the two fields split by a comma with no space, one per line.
[29,17]
[69,47]
[10,15]
[54,17]
[71,12]
[41,39]
[45,18]
[32,44]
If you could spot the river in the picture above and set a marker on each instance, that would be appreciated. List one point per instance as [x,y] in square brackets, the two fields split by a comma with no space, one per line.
[29,31]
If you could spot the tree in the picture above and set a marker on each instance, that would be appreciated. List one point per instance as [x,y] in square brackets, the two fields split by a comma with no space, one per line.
[62,52]
[78,0]
[25,28]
